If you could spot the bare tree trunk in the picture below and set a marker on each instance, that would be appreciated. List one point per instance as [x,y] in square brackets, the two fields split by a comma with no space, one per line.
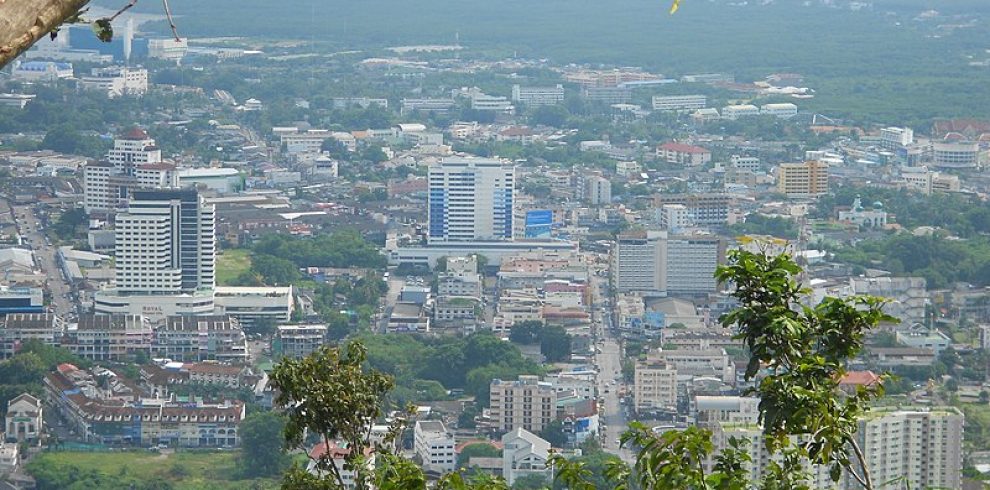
[24,22]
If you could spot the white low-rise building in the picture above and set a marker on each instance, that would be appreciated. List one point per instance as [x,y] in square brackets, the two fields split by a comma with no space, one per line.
[24,421]
[524,453]
[434,445]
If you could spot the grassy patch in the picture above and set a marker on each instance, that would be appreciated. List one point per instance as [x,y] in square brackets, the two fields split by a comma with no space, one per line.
[232,263]
[184,470]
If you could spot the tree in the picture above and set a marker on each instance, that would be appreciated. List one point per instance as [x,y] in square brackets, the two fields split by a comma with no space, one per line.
[264,326]
[554,434]
[329,395]
[262,449]
[275,270]
[555,343]
[526,333]
[801,352]
[479,450]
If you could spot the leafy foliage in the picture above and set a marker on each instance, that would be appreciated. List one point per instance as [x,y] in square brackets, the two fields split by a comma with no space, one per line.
[262,451]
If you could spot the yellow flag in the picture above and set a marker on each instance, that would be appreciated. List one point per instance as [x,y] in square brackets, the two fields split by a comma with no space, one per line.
[674,6]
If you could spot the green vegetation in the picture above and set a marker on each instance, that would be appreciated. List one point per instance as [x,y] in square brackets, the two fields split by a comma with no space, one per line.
[758,224]
[67,226]
[262,452]
[961,214]
[555,342]
[468,363]
[940,261]
[346,248]
[141,470]
[479,450]
[25,371]
[231,264]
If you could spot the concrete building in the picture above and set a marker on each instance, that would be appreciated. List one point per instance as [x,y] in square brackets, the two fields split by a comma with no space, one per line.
[740,162]
[699,362]
[782,111]
[470,199]
[654,386]
[597,190]
[10,458]
[734,112]
[297,341]
[467,284]
[679,102]
[526,403]
[41,71]
[201,338]
[638,261]
[955,154]
[674,217]
[607,95]
[434,446]
[656,263]
[893,138]
[803,180]
[24,421]
[110,337]
[134,162]
[166,248]
[691,262]
[222,180]
[704,209]
[116,81]
[21,300]
[453,309]
[925,181]
[16,328]
[524,453]
[168,48]
[441,106]
[19,101]
[922,445]
[538,96]
[97,414]
[250,304]
[682,154]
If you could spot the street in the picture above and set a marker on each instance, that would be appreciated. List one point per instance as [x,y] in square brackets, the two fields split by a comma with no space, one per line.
[608,359]
[27,225]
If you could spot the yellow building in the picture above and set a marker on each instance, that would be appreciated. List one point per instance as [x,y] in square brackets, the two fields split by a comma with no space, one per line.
[808,179]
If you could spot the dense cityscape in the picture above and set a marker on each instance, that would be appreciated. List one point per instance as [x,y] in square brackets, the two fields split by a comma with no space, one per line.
[529,248]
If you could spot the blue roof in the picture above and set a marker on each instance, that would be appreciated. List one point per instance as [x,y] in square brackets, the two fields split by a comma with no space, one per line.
[43,65]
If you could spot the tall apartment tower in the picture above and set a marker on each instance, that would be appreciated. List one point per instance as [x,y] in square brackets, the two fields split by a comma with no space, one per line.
[166,244]
[471,199]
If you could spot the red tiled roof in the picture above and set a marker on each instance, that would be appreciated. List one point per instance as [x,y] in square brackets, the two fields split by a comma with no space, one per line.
[136,134]
[860,378]
[683,148]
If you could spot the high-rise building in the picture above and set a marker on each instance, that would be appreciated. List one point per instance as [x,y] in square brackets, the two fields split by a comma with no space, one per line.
[471,199]
[653,262]
[704,209]
[918,447]
[526,403]
[803,180]
[134,162]
[434,445]
[166,244]
[894,138]
[165,248]
[638,260]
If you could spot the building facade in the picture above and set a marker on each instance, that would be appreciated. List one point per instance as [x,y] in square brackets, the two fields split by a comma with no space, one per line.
[526,403]
[471,199]
[803,180]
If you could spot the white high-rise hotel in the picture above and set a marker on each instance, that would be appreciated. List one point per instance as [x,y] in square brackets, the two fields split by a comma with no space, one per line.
[166,244]
[471,199]
[165,256]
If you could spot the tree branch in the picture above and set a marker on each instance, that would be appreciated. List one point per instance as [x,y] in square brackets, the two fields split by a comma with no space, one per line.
[866,481]
[24,22]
